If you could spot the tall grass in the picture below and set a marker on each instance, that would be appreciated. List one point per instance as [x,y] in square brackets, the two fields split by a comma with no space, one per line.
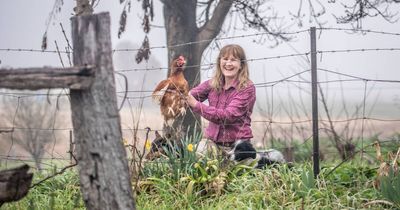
[275,188]
[60,192]
[192,182]
[348,187]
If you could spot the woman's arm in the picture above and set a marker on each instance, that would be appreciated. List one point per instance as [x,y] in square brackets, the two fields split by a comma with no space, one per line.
[200,93]
[239,105]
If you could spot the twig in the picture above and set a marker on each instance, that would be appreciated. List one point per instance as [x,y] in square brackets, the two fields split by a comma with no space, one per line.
[59,54]
[53,175]
[65,36]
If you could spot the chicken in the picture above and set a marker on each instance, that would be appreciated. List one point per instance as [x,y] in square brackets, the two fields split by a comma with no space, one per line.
[171,93]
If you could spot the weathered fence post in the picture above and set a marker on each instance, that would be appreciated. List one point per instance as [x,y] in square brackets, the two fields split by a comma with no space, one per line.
[102,162]
[314,92]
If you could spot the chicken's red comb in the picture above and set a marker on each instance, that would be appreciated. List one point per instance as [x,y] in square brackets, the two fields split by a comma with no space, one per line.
[181,61]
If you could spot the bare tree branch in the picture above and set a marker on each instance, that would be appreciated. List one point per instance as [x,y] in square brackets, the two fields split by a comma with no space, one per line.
[212,27]
[358,10]
[255,17]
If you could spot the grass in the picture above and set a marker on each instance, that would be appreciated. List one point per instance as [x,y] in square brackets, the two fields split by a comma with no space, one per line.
[273,188]
[349,187]
[60,192]
[189,182]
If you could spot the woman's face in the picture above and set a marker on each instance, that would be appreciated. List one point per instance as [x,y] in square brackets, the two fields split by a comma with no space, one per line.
[230,66]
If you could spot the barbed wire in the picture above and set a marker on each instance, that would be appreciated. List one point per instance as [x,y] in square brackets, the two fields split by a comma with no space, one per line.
[325,120]
[258,85]
[357,77]
[207,66]
[23,157]
[287,79]
[357,50]
[158,47]
[163,68]
[209,40]
[11,129]
[360,30]
[31,50]
[199,42]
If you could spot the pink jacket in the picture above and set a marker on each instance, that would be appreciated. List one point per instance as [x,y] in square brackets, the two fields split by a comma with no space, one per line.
[228,111]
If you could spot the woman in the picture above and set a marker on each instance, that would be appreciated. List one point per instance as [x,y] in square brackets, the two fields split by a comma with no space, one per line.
[231,96]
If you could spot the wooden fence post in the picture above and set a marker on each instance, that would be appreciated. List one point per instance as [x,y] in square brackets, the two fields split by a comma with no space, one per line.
[102,161]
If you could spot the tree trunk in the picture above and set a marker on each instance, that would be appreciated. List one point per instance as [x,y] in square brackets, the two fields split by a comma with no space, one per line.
[180,24]
[181,27]
[101,156]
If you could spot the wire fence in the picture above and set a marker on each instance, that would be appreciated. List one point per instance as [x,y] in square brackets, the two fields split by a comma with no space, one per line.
[283,121]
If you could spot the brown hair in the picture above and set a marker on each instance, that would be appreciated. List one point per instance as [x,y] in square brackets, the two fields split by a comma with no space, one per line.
[217,82]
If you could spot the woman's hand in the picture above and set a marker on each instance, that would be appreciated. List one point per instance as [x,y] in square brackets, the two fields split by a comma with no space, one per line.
[191,100]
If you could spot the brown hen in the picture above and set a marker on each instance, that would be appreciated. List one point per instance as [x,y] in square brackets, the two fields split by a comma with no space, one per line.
[171,93]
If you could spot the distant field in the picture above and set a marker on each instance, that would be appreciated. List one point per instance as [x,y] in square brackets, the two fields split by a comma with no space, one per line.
[283,128]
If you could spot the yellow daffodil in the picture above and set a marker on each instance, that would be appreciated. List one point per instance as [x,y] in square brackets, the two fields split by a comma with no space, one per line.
[190,147]
[148,145]
[125,142]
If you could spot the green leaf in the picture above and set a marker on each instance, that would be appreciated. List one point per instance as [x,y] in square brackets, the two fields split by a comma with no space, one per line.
[307,179]
[390,187]
[189,188]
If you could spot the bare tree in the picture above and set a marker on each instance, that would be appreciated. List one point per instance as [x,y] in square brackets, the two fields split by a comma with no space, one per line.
[31,120]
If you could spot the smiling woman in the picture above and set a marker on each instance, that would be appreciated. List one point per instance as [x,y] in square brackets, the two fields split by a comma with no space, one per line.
[231,96]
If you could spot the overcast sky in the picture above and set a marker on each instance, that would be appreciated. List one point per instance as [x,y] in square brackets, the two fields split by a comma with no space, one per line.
[24,22]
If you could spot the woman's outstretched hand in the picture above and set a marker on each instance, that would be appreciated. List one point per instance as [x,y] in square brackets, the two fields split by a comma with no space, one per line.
[191,100]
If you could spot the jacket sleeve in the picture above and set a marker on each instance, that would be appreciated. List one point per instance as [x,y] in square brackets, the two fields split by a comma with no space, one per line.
[201,92]
[240,104]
